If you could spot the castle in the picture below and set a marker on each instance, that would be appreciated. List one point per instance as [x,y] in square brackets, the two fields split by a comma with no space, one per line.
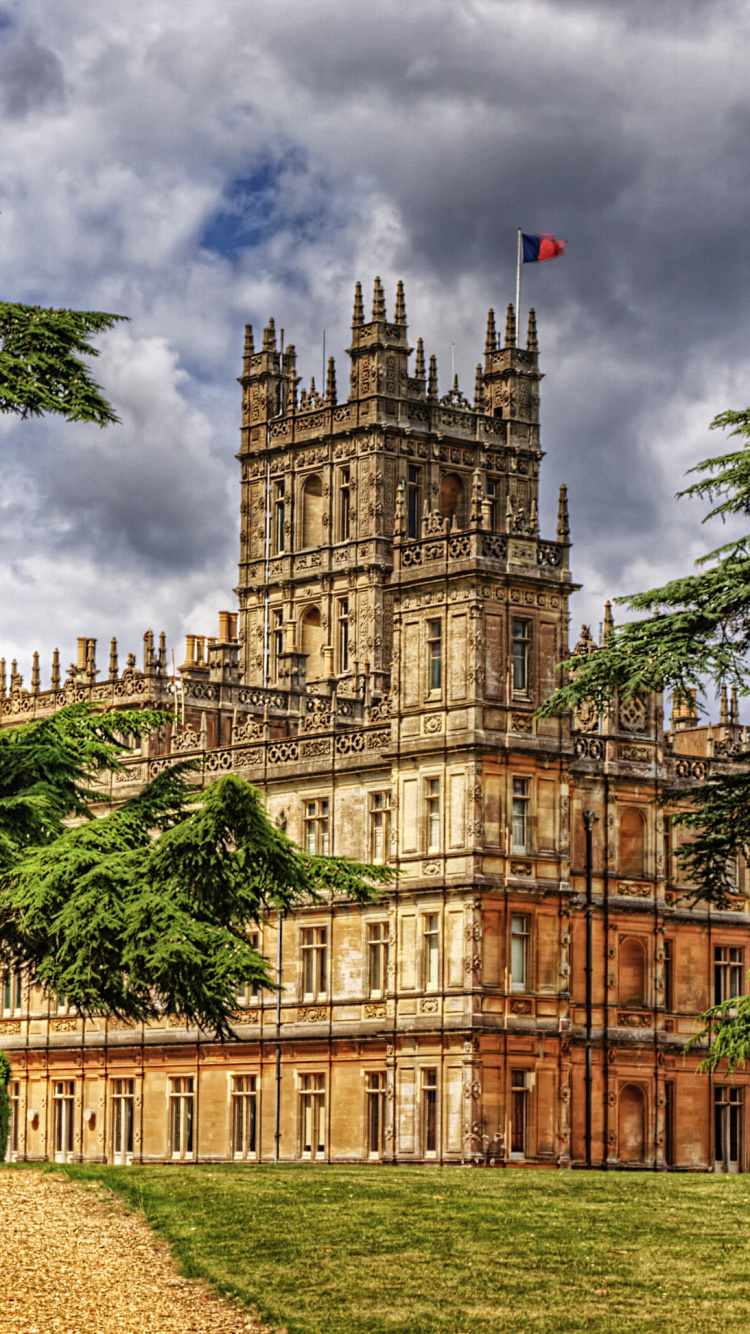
[523,994]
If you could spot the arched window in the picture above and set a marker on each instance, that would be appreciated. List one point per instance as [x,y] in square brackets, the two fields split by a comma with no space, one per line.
[632,1124]
[312,512]
[632,843]
[632,972]
[311,643]
[453,499]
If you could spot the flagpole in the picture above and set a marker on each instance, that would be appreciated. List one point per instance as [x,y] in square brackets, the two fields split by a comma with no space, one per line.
[518,287]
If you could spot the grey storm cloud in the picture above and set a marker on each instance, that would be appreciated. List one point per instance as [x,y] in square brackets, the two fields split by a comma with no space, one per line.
[195,168]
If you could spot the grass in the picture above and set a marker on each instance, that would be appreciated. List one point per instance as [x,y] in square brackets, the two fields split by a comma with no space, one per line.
[337,1250]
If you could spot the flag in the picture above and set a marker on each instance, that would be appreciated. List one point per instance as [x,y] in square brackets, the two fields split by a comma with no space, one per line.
[541,247]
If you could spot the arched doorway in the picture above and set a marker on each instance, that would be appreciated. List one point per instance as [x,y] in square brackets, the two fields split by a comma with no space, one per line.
[311,643]
[453,499]
[312,512]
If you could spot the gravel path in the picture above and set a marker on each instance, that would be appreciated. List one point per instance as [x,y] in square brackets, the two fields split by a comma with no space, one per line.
[73,1261]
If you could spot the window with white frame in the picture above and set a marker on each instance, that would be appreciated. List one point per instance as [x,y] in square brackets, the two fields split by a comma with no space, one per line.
[519,832]
[182,1116]
[11,994]
[727,1128]
[245,1116]
[431,950]
[377,958]
[14,1095]
[729,971]
[317,828]
[123,1119]
[314,961]
[380,831]
[519,1093]
[434,656]
[432,812]
[279,517]
[429,1112]
[519,952]
[63,1129]
[312,1115]
[375,1116]
[345,505]
[250,995]
[520,654]
[343,635]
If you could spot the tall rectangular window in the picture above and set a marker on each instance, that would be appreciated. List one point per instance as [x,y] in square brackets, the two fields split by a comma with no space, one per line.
[521,647]
[668,977]
[520,816]
[727,1128]
[413,496]
[343,634]
[379,826]
[429,1111]
[492,496]
[518,1113]
[431,947]
[432,811]
[250,995]
[11,994]
[345,507]
[377,958]
[375,1094]
[64,1101]
[245,1116]
[519,952]
[123,1101]
[181,1115]
[277,641]
[434,655]
[315,961]
[313,1115]
[317,840]
[14,1094]
[279,518]
[728,972]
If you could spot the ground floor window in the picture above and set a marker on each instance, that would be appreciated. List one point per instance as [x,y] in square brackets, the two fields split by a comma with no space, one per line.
[245,1116]
[375,1113]
[14,1094]
[123,1101]
[727,1128]
[182,1116]
[429,1111]
[64,1102]
[518,1113]
[313,1115]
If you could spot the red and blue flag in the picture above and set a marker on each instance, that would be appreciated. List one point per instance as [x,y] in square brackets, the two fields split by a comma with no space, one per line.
[540,247]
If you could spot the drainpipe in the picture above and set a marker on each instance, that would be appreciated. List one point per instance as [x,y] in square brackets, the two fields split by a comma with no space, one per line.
[277,1109]
[589,820]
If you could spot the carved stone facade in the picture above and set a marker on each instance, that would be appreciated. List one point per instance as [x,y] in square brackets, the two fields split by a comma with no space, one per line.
[399,621]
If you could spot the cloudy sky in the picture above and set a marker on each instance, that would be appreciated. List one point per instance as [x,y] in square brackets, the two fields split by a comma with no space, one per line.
[197,165]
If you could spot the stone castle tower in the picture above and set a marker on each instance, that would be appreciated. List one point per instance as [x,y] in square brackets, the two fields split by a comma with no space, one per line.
[399,622]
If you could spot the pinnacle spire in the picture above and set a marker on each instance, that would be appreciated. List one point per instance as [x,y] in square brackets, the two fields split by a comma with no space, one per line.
[113,666]
[419,371]
[609,621]
[510,326]
[35,678]
[563,524]
[734,711]
[479,390]
[723,708]
[399,526]
[531,339]
[477,496]
[249,349]
[55,676]
[378,301]
[359,311]
[331,383]
[490,341]
[432,382]
[400,316]
[269,336]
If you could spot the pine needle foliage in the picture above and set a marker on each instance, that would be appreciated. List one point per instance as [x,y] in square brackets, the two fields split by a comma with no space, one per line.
[695,636]
[145,910]
[41,369]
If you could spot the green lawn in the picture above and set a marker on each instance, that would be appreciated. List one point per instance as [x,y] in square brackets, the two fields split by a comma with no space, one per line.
[337,1250]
